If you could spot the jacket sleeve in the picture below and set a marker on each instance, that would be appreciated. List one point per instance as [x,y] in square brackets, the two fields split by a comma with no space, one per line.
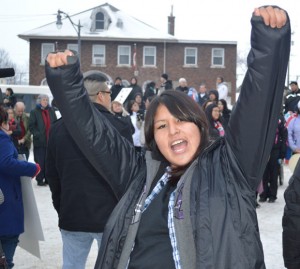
[12,166]
[28,133]
[32,124]
[51,172]
[291,222]
[111,155]
[254,119]
[291,139]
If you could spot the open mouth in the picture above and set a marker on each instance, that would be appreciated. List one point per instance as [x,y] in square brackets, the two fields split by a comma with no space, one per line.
[179,146]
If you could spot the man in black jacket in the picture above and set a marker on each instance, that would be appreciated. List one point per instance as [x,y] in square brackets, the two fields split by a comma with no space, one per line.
[81,197]
[182,86]
[292,98]
[271,173]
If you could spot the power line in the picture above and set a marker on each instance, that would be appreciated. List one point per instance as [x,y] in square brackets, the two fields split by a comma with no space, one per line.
[20,18]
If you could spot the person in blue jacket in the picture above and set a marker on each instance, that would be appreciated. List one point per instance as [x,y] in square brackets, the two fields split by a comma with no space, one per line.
[189,203]
[11,210]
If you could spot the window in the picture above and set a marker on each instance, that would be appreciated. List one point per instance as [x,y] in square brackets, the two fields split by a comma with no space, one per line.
[218,57]
[46,48]
[99,21]
[190,56]
[124,55]
[98,55]
[149,56]
[72,47]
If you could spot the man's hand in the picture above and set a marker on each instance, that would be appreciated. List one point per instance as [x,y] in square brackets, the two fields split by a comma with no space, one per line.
[274,17]
[59,58]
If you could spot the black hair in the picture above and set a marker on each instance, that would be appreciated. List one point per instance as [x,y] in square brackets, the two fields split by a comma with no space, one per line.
[208,112]
[225,107]
[135,78]
[129,106]
[207,103]
[3,115]
[183,108]
[10,90]
[150,98]
[221,78]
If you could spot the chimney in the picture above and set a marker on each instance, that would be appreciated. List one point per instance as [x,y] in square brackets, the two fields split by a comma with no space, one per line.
[171,23]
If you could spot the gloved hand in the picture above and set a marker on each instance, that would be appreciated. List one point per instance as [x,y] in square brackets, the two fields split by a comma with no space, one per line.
[279,161]
[38,170]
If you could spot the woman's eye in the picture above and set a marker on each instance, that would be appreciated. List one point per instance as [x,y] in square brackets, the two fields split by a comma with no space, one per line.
[161,126]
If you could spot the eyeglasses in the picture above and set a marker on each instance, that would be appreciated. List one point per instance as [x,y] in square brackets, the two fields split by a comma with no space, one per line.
[109,92]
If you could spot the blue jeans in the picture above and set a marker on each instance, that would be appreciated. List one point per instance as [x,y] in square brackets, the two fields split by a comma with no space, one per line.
[76,248]
[9,245]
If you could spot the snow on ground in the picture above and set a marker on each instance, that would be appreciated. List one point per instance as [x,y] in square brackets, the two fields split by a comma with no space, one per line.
[269,217]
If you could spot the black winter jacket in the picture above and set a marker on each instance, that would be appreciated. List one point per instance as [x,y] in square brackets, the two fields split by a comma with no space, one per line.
[291,222]
[82,198]
[220,228]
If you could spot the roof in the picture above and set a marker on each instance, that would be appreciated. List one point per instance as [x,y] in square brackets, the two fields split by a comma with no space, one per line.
[121,27]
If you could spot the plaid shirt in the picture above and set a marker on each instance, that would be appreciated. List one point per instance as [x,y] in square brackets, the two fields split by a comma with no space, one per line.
[158,187]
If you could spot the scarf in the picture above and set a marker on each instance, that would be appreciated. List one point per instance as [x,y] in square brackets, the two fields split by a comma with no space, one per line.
[220,128]
[46,119]
[20,120]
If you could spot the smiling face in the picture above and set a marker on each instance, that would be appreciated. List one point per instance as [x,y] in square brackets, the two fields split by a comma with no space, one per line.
[178,141]
[215,113]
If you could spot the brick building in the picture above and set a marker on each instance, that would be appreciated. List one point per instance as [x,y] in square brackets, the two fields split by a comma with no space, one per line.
[117,44]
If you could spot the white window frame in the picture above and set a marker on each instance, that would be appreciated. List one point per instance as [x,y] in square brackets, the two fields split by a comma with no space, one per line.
[98,57]
[120,47]
[218,54]
[100,21]
[186,49]
[147,54]
[45,49]
[72,46]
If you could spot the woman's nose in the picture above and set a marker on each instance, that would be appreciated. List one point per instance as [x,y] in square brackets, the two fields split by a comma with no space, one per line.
[173,128]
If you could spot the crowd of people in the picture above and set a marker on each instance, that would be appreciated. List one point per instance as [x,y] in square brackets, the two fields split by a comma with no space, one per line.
[152,178]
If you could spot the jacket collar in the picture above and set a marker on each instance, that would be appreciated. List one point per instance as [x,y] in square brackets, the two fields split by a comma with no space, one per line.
[101,108]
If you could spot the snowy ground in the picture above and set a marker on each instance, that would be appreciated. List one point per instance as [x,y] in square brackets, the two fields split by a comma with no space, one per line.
[269,216]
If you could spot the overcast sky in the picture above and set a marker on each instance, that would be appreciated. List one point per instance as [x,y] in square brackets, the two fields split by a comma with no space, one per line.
[225,20]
